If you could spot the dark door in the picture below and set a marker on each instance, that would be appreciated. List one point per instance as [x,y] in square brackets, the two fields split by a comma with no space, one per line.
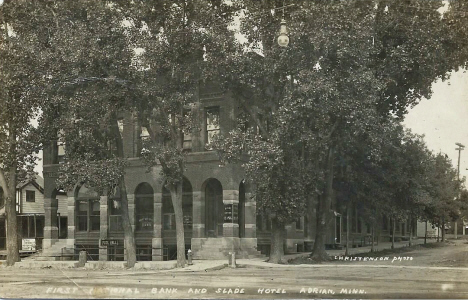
[241,210]
[214,208]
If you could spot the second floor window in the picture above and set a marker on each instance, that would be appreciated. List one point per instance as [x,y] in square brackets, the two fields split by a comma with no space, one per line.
[212,123]
[30,196]
[60,146]
[299,224]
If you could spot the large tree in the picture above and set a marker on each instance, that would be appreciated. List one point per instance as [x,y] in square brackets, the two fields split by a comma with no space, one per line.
[88,91]
[22,34]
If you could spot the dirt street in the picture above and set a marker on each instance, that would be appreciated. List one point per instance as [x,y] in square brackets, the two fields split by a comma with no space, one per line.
[438,272]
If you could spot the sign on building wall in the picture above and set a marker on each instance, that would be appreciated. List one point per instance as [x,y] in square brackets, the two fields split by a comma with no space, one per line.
[231,213]
[109,242]
[28,244]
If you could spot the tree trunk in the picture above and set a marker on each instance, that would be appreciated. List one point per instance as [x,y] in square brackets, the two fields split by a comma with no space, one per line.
[176,196]
[393,234]
[443,229]
[323,209]
[373,235]
[348,209]
[410,233]
[425,234]
[438,233]
[10,205]
[11,219]
[129,237]
[277,241]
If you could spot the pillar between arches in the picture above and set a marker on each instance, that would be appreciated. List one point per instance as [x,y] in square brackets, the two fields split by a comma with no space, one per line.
[157,241]
[250,216]
[231,216]
[50,222]
[71,221]
[104,226]
[198,225]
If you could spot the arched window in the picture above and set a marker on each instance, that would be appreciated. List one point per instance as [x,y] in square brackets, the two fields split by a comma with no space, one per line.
[87,210]
[214,208]
[144,207]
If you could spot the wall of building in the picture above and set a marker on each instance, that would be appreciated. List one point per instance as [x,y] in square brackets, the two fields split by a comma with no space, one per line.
[36,207]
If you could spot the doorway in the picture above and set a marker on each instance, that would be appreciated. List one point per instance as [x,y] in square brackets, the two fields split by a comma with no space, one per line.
[214,208]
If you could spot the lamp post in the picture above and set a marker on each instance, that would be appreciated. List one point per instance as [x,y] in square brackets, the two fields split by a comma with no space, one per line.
[459,149]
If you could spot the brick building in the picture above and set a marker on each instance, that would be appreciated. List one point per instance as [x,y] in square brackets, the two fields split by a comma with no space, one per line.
[219,213]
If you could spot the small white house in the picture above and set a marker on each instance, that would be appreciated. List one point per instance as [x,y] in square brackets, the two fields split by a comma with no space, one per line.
[432,230]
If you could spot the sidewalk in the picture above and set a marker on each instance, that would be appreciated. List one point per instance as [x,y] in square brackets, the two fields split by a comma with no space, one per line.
[352,251]
[205,265]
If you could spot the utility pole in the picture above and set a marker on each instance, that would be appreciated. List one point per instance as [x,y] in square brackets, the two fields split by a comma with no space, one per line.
[459,149]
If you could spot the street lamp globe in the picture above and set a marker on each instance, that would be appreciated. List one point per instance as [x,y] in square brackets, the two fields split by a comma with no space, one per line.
[283,39]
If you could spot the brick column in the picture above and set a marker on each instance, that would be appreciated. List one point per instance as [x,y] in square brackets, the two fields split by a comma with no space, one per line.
[231,218]
[104,226]
[198,218]
[50,226]
[71,206]
[250,216]
[157,242]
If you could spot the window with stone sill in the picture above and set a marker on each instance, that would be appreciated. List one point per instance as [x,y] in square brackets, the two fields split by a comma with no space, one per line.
[87,210]
[187,134]
[299,224]
[60,147]
[212,124]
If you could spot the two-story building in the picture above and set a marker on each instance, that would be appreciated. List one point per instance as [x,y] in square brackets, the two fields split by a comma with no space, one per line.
[30,214]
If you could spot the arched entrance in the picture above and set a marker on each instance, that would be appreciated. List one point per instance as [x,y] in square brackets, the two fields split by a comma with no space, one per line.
[144,207]
[241,209]
[214,208]
[187,204]
[144,220]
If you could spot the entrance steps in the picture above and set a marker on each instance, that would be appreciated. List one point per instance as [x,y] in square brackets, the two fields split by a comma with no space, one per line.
[219,249]
[57,251]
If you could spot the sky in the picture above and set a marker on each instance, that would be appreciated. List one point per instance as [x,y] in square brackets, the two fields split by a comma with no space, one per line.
[443,118]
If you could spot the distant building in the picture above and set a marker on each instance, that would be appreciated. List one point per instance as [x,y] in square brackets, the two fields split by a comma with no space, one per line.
[30,214]
[432,230]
